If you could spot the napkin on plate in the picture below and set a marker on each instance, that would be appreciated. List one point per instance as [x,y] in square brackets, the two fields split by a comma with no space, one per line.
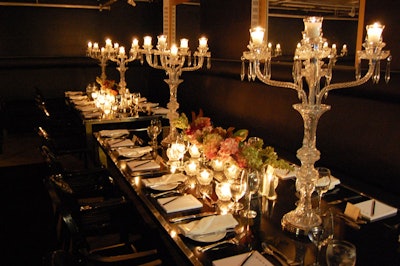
[179,203]
[164,180]
[381,210]
[115,143]
[134,152]
[78,97]
[160,111]
[210,224]
[255,260]
[143,165]
[91,114]
[285,173]
[113,133]
[87,108]
[69,93]
[334,181]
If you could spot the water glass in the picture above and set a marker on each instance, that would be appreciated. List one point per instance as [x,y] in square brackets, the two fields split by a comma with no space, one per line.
[340,252]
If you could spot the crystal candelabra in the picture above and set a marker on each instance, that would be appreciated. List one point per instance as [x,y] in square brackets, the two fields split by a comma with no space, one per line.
[174,61]
[313,62]
[102,54]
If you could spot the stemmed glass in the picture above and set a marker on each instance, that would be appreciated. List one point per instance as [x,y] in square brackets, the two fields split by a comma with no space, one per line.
[238,190]
[322,184]
[153,131]
[321,234]
[253,184]
[341,253]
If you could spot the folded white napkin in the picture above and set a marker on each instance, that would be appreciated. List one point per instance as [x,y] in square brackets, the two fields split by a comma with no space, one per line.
[381,210]
[160,111]
[334,181]
[210,224]
[89,115]
[164,180]
[285,173]
[179,203]
[143,165]
[87,108]
[255,260]
[114,133]
[69,93]
[134,152]
[78,97]
[80,103]
[115,143]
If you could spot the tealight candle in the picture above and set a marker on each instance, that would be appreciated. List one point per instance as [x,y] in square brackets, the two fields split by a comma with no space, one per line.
[231,171]
[205,176]
[191,167]
[217,165]
[223,191]
[194,151]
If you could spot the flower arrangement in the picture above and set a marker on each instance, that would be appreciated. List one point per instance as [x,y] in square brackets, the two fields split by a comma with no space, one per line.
[226,144]
[108,86]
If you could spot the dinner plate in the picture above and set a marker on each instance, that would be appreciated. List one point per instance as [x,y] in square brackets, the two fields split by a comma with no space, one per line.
[165,187]
[208,237]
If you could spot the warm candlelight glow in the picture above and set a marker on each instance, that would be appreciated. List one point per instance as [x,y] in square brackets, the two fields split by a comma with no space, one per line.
[135,43]
[147,42]
[162,40]
[174,50]
[257,35]
[312,26]
[217,165]
[205,176]
[108,43]
[184,43]
[194,151]
[374,32]
[203,42]
[223,191]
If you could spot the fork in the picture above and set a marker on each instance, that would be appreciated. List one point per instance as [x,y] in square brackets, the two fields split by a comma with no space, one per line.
[234,240]
[271,250]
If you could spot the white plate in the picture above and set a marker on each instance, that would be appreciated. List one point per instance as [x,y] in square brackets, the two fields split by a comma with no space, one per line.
[165,187]
[130,153]
[208,238]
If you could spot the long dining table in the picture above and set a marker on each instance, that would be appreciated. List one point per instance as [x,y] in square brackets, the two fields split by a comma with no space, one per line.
[377,242]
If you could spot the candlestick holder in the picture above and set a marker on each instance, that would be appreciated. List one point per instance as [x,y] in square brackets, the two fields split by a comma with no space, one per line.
[102,54]
[175,61]
[309,66]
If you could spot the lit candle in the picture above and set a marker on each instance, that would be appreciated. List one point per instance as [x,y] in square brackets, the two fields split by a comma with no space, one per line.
[147,42]
[312,26]
[162,40]
[121,51]
[205,177]
[257,35]
[203,42]
[116,46]
[108,43]
[191,167]
[326,45]
[102,50]
[374,32]
[231,171]
[278,47]
[135,43]
[194,151]
[217,165]
[90,45]
[269,45]
[95,46]
[223,191]
[174,50]
[184,43]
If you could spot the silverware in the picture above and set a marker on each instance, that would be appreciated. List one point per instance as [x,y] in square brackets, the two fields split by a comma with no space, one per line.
[234,241]
[334,202]
[171,200]
[278,255]
[157,195]
[190,217]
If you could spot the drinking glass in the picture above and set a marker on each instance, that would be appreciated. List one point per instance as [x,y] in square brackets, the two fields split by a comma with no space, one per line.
[238,190]
[153,130]
[322,184]
[340,252]
[253,184]
[321,234]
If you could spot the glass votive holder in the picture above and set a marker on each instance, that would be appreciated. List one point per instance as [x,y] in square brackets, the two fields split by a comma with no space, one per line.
[223,191]
[231,170]
[217,165]
[192,167]
[194,151]
[205,176]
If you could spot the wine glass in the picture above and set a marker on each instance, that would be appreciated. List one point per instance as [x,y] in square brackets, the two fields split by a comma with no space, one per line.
[322,184]
[321,234]
[238,190]
[340,252]
[153,130]
[253,184]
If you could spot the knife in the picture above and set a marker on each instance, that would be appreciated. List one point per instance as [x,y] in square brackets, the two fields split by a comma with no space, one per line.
[190,217]
[344,200]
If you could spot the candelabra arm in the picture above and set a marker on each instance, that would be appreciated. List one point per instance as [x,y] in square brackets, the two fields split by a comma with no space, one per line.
[349,84]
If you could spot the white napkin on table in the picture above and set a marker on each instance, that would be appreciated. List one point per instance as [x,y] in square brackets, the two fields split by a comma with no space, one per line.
[164,180]
[91,114]
[78,97]
[115,143]
[334,181]
[134,152]
[80,103]
[255,260]
[113,133]
[69,93]
[87,108]
[210,224]
[160,111]
[285,173]
[143,165]
[179,203]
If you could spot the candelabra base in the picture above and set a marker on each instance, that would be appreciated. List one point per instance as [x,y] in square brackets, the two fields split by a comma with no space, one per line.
[299,223]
